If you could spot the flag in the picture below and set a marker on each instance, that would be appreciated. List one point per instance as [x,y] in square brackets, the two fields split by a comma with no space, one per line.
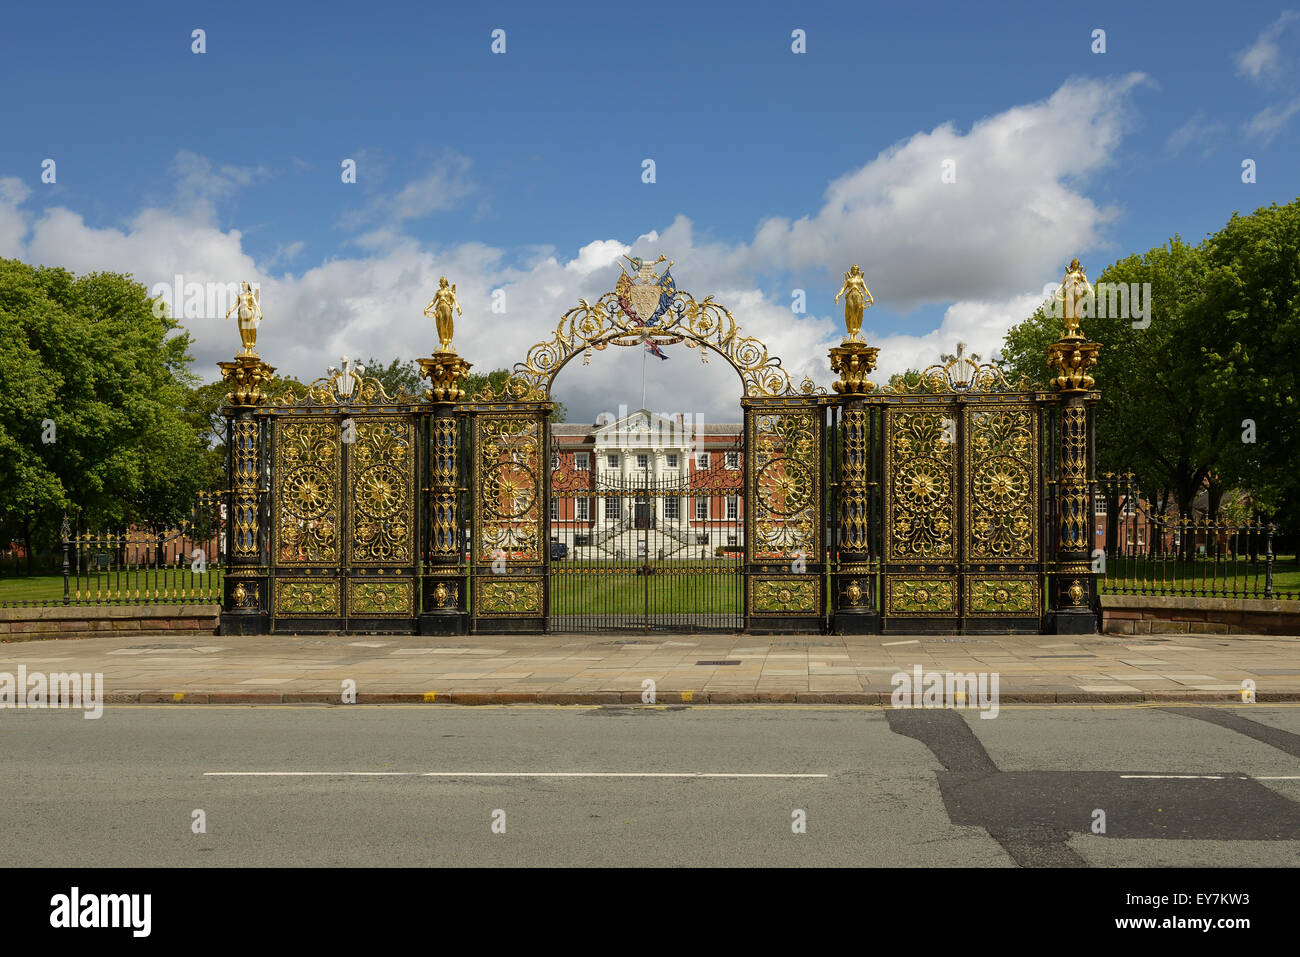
[653,349]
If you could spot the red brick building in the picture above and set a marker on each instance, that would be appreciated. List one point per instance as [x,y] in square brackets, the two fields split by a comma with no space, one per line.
[668,485]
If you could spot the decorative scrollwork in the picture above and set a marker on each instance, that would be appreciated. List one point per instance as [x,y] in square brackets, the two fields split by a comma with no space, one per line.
[381,494]
[784,484]
[508,486]
[921,463]
[306,528]
[703,325]
[343,388]
[1003,506]
[961,373]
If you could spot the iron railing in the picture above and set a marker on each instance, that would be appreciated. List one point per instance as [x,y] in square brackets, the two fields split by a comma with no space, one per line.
[133,566]
[1145,551]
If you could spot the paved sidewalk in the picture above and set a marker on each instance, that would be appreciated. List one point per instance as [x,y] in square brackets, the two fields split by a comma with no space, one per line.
[612,668]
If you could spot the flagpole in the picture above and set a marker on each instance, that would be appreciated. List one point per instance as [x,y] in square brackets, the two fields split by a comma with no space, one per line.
[643,375]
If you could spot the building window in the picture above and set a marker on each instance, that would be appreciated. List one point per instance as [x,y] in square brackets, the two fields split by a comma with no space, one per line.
[702,460]
[555,509]
[580,462]
[643,461]
[555,461]
[733,507]
[613,508]
[581,540]
[611,461]
[1100,503]
[731,460]
[583,509]
[672,508]
[672,460]
[702,538]
[701,509]
[731,539]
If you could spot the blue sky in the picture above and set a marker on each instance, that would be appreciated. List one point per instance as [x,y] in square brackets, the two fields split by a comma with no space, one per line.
[500,169]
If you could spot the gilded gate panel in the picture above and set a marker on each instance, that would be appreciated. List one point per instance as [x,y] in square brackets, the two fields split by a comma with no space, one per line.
[785,484]
[784,505]
[1002,484]
[920,486]
[508,487]
[381,491]
[307,491]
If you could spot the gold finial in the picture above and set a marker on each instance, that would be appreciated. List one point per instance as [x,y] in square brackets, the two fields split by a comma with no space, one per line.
[857,297]
[1073,290]
[248,307]
[439,310]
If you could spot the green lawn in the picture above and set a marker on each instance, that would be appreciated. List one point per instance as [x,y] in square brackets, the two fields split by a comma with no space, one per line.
[676,587]
[1200,574]
[111,588]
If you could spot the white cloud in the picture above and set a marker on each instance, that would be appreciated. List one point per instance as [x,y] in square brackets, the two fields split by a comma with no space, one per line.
[1015,213]
[440,189]
[1270,121]
[1195,130]
[983,247]
[1260,59]
[13,221]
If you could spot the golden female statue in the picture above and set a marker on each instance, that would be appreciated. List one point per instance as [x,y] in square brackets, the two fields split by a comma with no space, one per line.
[1073,290]
[439,310]
[248,309]
[857,297]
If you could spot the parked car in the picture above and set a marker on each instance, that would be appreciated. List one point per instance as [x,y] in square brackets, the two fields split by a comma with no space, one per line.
[559,550]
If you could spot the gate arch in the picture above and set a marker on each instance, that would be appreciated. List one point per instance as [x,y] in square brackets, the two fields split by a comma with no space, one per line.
[781,482]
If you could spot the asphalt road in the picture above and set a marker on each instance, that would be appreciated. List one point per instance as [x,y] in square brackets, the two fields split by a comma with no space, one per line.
[1179,786]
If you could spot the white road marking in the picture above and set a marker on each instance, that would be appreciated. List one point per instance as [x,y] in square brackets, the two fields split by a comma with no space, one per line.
[503,774]
[1176,777]
[913,641]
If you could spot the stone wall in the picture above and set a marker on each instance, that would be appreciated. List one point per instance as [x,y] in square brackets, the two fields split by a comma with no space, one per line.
[1174,614]
[91,621]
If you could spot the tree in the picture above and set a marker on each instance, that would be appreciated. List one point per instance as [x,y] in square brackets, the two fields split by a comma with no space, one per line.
[88,364]
[397,377]
[1179,395]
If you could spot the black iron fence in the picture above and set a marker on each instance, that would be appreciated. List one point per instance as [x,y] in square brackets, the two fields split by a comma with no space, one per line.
[133,566]
[1141,549]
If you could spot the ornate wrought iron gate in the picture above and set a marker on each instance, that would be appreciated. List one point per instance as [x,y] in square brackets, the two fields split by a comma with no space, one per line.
[646,555]
[953,502]
[963,502]
[343,476]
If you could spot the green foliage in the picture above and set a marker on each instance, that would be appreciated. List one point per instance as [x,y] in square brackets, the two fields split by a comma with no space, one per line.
[1220,348]
[88,354]
[396,377]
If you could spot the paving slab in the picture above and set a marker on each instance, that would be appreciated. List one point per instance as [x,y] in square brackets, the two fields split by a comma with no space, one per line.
[512,668]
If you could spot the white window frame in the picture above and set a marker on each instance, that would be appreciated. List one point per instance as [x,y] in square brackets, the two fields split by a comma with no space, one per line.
[672,460]
[555,461]
[702,505]
[618,507]
[702,461]
[581,462]
[582,509]
[611,460]
[642,461]
[555,510]
[672,508]
[733,507]
[731,461]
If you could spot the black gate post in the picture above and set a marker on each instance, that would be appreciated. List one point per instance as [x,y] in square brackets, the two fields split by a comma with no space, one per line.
[443,610]
[245,608]
[1073,591]
[857,611]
